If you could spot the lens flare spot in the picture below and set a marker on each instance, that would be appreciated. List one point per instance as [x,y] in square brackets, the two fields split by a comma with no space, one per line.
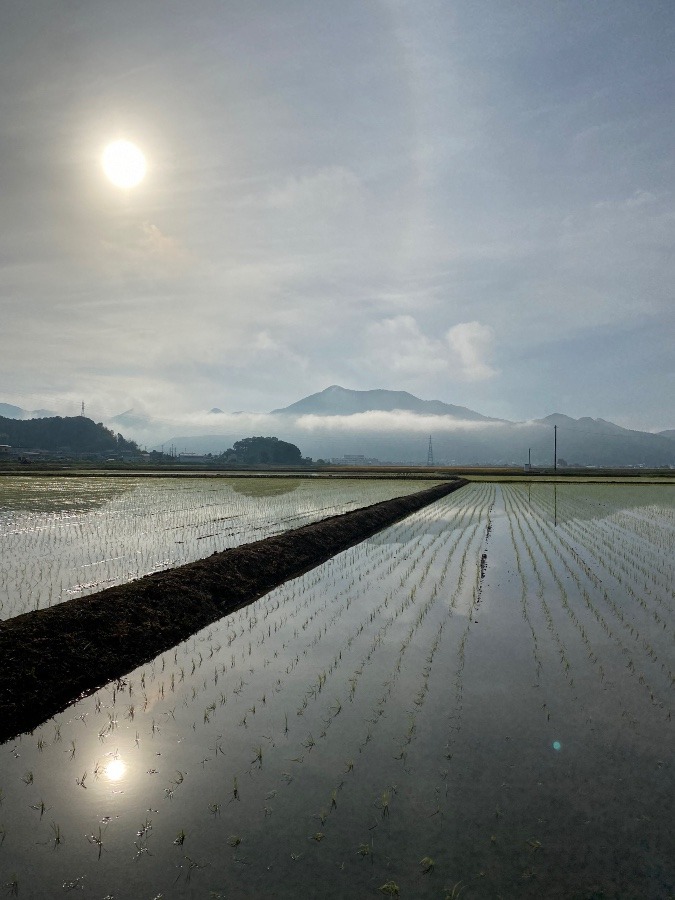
[557,745]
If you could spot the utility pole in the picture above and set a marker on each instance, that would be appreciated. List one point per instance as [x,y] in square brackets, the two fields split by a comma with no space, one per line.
[555,448]
[82,411]
[430,454]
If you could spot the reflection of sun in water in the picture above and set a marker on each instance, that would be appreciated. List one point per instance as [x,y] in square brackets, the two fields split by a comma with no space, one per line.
[115,770]
[124,164]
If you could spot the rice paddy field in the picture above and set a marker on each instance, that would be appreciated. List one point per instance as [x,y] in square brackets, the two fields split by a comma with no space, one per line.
[69,537]
[476,702]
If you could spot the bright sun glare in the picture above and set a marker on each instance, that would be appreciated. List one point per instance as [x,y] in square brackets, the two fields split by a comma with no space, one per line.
[115,770]
[124,164]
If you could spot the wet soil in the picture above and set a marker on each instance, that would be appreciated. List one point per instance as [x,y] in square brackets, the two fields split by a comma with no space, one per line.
[51,657]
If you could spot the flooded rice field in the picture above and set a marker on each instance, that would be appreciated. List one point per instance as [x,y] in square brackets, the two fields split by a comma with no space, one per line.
[69,537]
[474,703]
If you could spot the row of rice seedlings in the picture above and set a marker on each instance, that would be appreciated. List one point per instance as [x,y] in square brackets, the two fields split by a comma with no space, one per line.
[433,645]
[434,802]
[456,705]
[627,553]
[520,516]
[540,593]
[469,562]
[576,576]
[383,799]
[628,615]
[625,614]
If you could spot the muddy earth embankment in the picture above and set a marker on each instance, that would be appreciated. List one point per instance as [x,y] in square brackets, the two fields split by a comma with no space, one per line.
[50,657]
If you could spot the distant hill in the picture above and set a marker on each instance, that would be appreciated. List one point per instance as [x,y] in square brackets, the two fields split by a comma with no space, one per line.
[8,411]
[339,401]
[75,434]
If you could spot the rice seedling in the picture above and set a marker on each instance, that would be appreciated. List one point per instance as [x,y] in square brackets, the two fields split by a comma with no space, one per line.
[97,840]
[56,832]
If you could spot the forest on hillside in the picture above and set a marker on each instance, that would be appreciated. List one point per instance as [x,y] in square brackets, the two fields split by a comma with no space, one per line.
[74,434]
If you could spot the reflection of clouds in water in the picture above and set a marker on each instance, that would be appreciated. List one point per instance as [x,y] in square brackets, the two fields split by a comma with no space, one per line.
[589,502]
[264,487]
[59,496]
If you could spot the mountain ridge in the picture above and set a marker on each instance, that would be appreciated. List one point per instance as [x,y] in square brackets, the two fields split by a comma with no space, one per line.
[336,400]
[395,426]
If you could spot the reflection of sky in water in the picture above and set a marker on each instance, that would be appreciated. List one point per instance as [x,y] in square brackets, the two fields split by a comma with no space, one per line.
[357,708]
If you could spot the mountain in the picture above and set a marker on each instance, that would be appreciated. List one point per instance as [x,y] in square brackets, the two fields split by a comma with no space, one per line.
[339,401]
[670,434]
[597,442]
[8,411]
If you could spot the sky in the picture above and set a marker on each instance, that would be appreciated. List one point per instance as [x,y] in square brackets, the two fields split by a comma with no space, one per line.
[473,202]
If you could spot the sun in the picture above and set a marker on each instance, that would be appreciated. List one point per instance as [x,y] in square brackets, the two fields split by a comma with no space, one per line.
[124,164]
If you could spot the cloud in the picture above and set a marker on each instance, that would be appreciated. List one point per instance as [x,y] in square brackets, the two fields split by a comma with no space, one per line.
[394,421]
[399,347]
[472,343]
[152,430]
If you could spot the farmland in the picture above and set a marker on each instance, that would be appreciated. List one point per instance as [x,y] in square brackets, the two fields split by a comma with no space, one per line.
[474,702]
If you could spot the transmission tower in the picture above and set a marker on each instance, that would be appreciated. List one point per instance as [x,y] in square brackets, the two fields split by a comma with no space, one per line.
[430,454]
[82,412]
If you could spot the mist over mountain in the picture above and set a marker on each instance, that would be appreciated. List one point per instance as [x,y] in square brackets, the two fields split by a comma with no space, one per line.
[395,426]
